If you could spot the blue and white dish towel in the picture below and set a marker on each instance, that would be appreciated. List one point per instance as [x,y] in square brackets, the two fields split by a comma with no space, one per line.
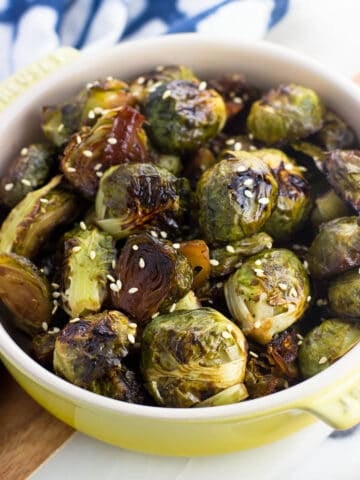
[325,29]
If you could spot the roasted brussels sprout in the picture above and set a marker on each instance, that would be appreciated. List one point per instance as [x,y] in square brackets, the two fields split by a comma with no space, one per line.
[286,114]
[60,122]
[236,197]
[342,169]
[189,356]
[293,203]
[150,275]
[117,137]
[89,351]
[225,260]
[26,292]
[268,293]
[27,172]
[344,295]
[144,85]
[336,248]
[325,344]
[88,257]
[328,206]
[131,196]
[30,223]
[335,133]
[197,254]
[183,115]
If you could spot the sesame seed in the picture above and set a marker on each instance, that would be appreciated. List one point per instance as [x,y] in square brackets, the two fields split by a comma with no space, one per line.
[289,166]
[141,262]
[253,354]
[214,262]
[308,298]
[300,342]
[74,320]
[282,286]
[114,287]
[87,153]
[172,308]
[293,293]
[241,169]
[257,324]
[71,169]
[225,334]
[83,226]
[60,127]
[202,86]
[112,140]
[176,245]
[156,314]
[113,264]
[321,302]
[251,136]
[54,330]
[219,285]
[8,187]
[259,272]
[230,249]
[56,294]
[299,336]
[323,360]
[44,200]
[249,182]
[269,246]
[159,68]
[91,114]
[230,141]
[76,249]
[210,301]
[302,169]
[163,234]
[141,80]
[133,325]
[258,262]
[237,100]
[99,174]
[97,167]
[131,338]
[135,247]
[166,94]
[111,278]
[78,139]
[263,201]
[238,264]
[237,146]
[252,148]
[24,151]
[26,182]
[229,328]
[119,284]
[92,255]
[133,290]
[44,326]
[154,234]
[56,306]
[55,285]
[249,194]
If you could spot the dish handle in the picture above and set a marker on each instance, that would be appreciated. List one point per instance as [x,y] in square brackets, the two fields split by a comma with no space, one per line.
[339,407]
[22,80]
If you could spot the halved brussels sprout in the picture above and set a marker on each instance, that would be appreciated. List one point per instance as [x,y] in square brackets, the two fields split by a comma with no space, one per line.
[197,254]
[342,168]
[88,257]
[286,114]
[117,137]
[328,206]
[268,293]
[236,197]
[335,133]
[87,350]
[336,248]
[30,223]
[26,292]
[293,203]
[27,172]
[189,356]
[131,196]
[182,115]
[150,275]
[344,295]
[325,344]
[225,260]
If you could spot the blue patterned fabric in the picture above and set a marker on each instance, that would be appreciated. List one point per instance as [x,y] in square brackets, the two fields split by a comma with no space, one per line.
[31,28]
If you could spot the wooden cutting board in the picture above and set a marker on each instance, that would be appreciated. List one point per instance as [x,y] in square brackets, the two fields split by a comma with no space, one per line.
[28,433]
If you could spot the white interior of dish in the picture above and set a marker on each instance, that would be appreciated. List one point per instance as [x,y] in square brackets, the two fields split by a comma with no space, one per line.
[264,65]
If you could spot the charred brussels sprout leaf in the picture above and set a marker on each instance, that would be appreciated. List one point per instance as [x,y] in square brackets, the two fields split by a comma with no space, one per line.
[335,133]
[268,293]
[342,169]
[293,203]
[25,292]
[88,256]
[235,394]
[30,223]
[28,171]
[117,137]
[235,197]
[150,275]
[182,116]
[344,295]
[189,356]
[42,347]
[328,206]
[325,344]
[225,260]
[336,248]
[131,196]
[90,351]
[286,114]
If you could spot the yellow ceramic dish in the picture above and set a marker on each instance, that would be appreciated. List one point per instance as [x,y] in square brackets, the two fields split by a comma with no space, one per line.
[332,396]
